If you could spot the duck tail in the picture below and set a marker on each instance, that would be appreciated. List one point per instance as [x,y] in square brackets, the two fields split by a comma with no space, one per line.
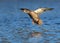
[40,22]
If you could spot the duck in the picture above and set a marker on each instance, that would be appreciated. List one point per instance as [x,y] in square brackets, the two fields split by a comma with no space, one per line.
[34,14]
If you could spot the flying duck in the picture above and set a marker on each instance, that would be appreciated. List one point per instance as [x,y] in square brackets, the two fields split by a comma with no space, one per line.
[34,15]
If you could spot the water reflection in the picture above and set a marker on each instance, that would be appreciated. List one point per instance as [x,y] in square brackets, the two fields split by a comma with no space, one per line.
[36,34]
[4,40]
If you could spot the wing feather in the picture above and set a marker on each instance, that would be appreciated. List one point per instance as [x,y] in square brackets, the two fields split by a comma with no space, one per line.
[41,10]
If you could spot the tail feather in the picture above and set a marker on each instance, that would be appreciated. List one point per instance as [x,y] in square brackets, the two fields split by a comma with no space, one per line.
[40,22]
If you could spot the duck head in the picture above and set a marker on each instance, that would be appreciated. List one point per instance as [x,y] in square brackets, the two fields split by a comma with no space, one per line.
[25,10]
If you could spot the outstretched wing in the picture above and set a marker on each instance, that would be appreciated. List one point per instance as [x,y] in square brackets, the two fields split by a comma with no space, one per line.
[41,10]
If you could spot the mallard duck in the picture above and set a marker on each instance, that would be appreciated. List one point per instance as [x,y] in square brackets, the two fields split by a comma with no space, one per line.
[34,15]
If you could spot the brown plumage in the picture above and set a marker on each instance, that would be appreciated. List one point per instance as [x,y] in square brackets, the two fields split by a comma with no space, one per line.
[34,14]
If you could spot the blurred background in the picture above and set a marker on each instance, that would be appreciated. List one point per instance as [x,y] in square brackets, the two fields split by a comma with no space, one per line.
[16,26]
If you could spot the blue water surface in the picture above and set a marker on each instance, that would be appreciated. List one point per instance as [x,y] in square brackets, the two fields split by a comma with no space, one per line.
[16,26]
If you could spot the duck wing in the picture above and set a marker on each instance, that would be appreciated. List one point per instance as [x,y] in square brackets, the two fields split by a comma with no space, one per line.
[41,10]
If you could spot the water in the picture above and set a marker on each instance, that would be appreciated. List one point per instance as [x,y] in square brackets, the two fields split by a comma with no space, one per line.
[16,26]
